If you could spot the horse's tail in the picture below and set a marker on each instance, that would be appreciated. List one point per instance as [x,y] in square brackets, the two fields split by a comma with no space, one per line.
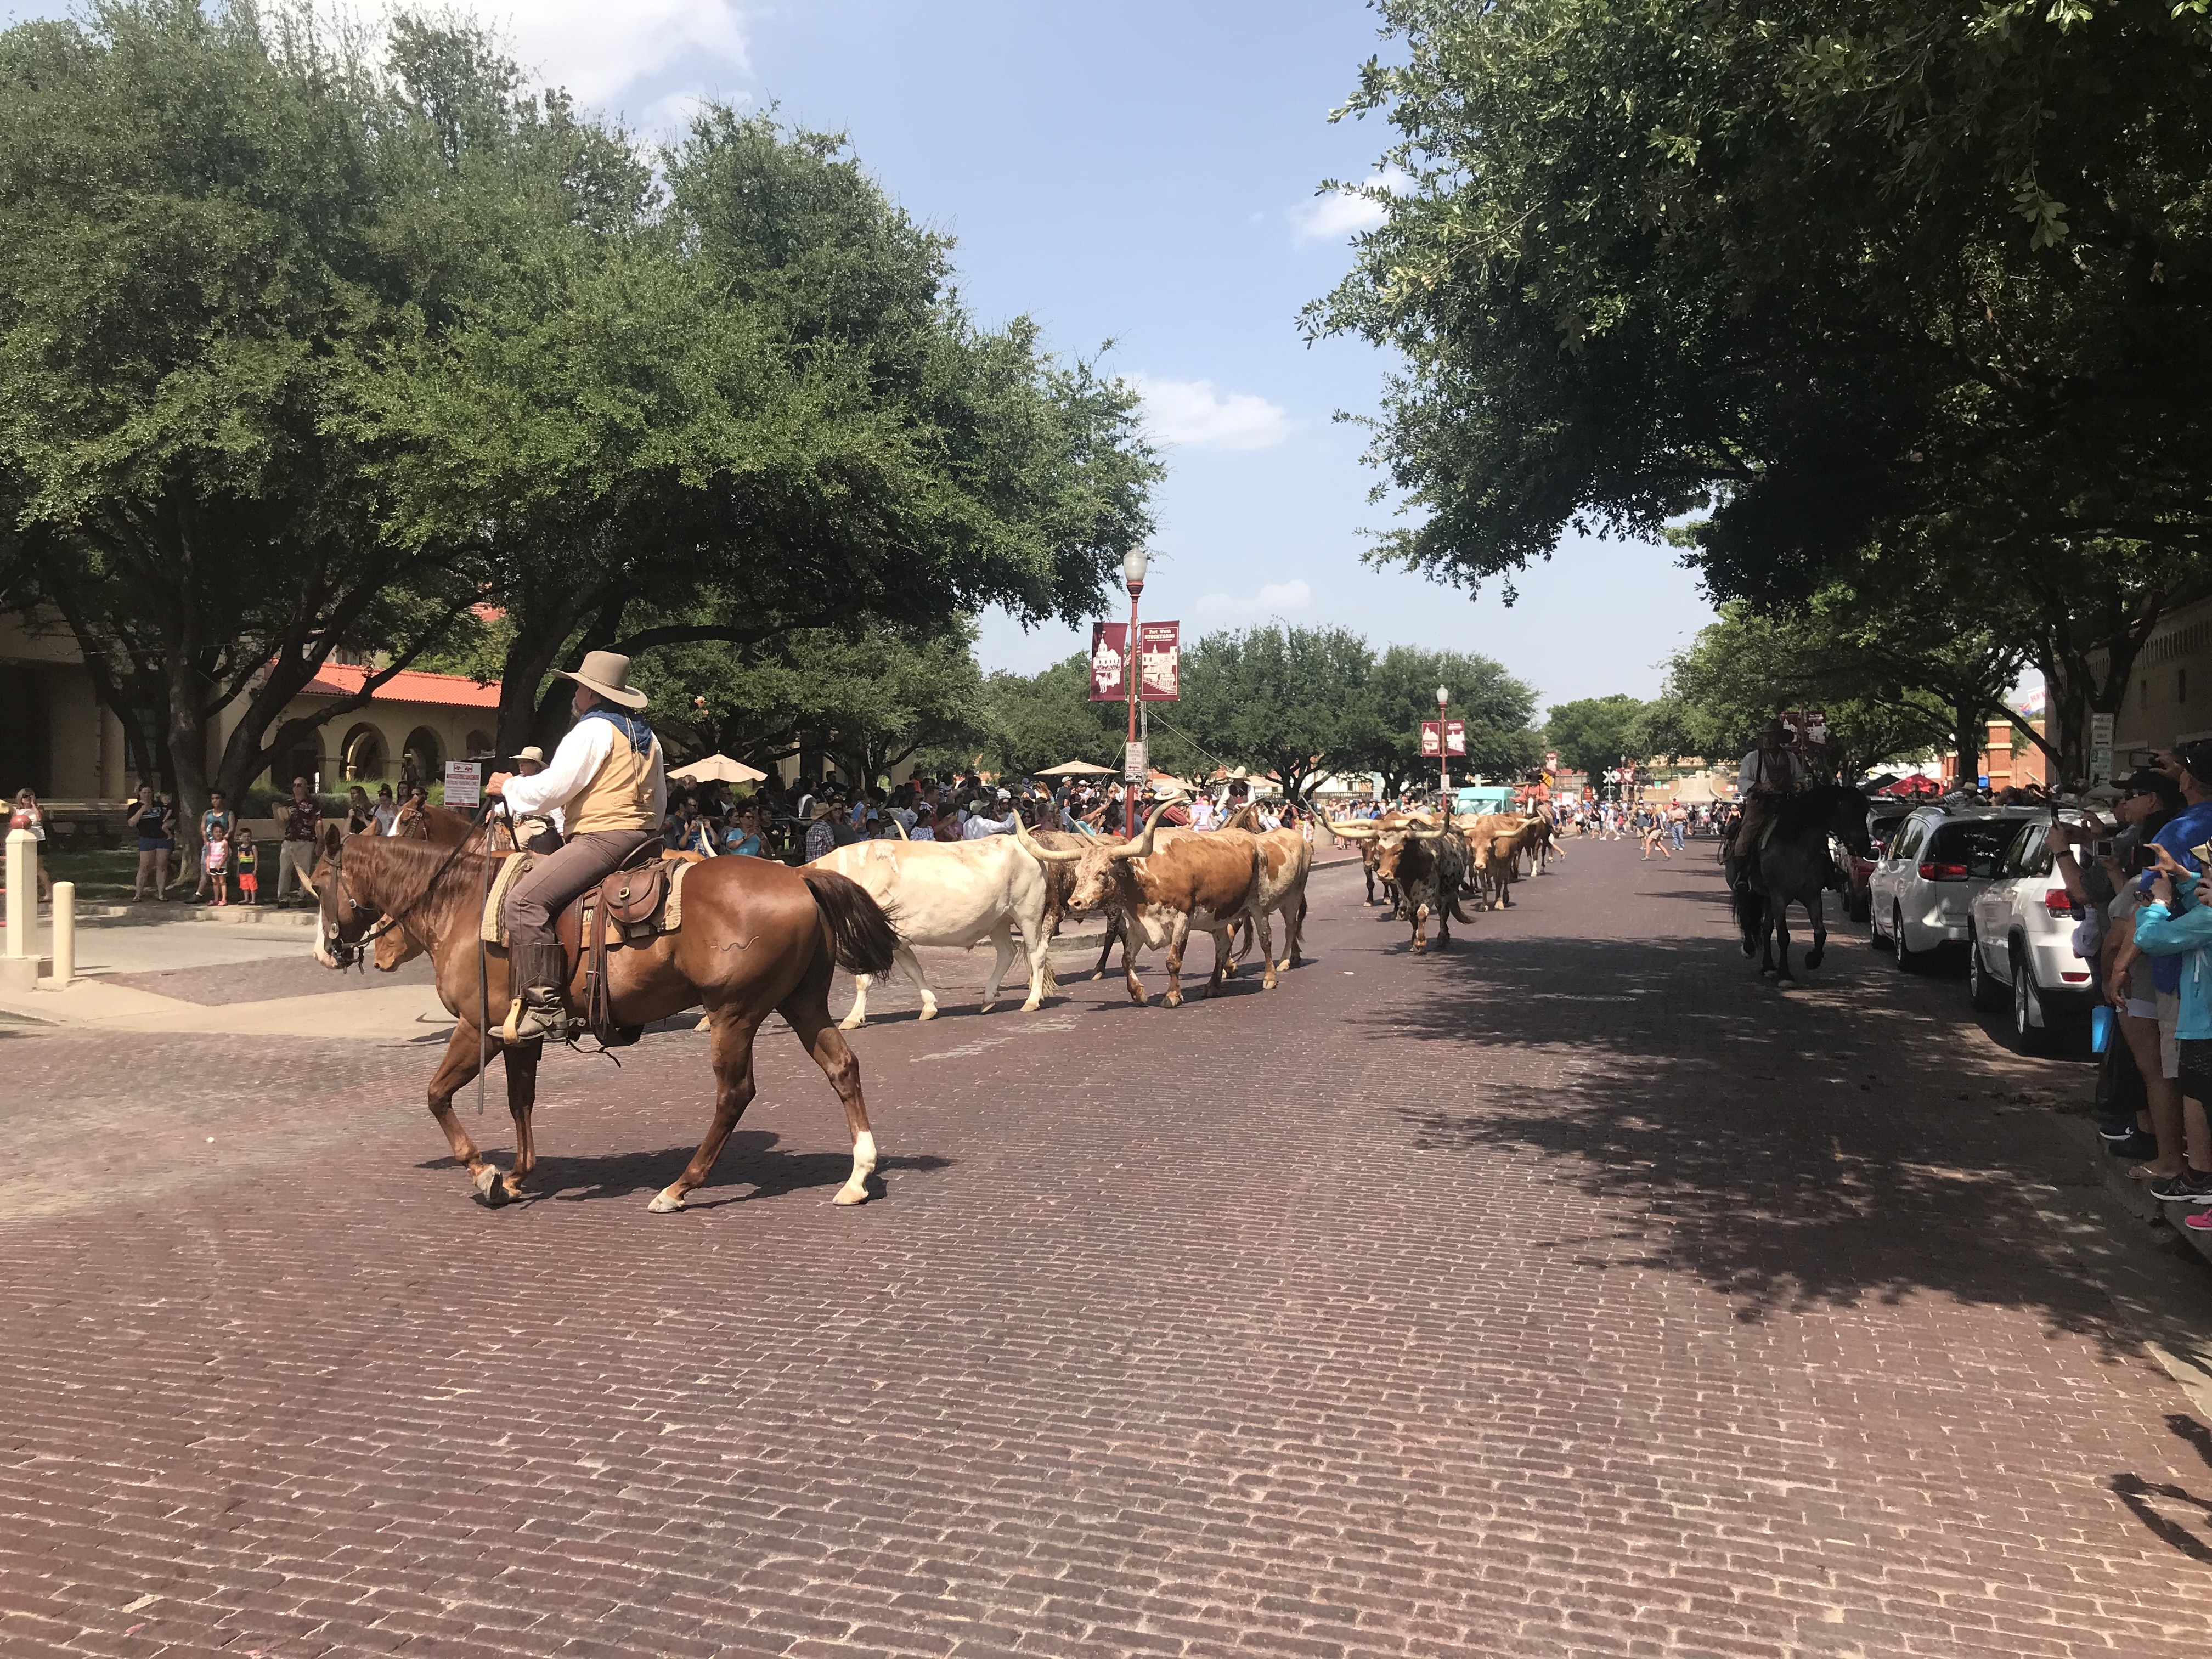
[860,932]
[1750,911]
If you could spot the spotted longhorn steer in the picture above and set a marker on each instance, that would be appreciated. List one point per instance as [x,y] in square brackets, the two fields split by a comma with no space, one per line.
[1428,864]
[1161,886]
[1286,860]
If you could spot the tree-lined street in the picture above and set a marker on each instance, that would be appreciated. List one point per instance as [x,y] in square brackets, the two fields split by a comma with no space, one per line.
[1570,1292]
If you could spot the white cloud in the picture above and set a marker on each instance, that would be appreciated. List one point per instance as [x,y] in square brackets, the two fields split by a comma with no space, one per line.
[669,115]
[1335,215]
[1191,412]
[599,50]
[1273,599]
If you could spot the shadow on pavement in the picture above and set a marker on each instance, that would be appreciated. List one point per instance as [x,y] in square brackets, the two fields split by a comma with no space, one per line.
[1793,1152]
[751,1160]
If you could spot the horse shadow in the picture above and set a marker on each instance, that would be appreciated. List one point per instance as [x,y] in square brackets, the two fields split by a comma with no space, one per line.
[752,1160]
[2188,1531]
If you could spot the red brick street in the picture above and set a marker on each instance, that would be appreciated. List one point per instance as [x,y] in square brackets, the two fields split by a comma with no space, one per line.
[1572,1293]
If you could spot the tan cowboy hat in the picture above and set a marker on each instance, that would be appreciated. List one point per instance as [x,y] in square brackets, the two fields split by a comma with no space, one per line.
[822,810]
[607,673]
[533,752]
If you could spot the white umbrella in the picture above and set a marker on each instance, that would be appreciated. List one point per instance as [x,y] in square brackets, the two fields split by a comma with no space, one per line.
[1076,769]
[717,768]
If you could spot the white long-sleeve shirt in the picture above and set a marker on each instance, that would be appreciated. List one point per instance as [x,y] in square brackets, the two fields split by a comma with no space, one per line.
[1757,772]
[574,765]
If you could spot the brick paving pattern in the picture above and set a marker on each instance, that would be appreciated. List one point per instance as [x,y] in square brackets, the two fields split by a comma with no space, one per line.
[1571,1293]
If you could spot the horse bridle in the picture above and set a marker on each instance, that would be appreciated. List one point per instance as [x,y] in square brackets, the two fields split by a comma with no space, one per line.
[349,952]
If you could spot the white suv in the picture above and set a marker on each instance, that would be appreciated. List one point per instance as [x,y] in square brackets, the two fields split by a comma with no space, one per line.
[2019,944]
[1919,896]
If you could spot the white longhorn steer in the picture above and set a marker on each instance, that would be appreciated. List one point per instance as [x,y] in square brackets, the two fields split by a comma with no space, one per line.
[952,893]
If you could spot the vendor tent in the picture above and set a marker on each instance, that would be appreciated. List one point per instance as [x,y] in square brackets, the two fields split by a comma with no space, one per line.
[1077,769]
[1914,783]
[716,768]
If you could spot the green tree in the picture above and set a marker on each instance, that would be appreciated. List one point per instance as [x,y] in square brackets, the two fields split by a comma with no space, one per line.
[1495,706]
[1038,720]
[192,259]
[1294,701]
[1593,734]
[1893,291]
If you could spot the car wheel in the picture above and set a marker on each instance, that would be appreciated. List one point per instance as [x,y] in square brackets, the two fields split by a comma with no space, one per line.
[1986,995]
[1908,959]
[2034,1039]
[1861,907]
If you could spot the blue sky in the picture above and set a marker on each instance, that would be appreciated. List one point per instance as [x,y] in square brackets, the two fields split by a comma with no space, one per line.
[1143,172]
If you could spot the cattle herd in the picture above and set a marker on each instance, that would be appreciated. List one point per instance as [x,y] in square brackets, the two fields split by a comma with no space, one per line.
[1154,892]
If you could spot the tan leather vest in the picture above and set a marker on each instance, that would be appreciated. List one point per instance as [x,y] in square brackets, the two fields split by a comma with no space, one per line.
[621,797]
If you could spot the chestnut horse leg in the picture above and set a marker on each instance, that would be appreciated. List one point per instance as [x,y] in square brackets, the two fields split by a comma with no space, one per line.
[522,1060]
[808,1011]
[453,1074]
[732,1048]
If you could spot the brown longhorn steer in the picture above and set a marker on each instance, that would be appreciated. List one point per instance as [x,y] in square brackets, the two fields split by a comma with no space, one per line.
[1160,889]
[1427,864]
[1286,860]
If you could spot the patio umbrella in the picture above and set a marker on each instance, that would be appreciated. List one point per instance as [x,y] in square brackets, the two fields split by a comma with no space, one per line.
[1076,769]
[716,768]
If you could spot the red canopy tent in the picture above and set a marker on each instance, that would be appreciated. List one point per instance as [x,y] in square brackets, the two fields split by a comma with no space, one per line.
[1914,783]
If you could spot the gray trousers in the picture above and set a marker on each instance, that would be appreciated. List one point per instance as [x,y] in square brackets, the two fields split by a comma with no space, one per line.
[582,862]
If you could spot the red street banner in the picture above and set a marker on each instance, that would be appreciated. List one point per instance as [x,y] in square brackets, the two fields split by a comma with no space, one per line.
[1455,736]
[1159,662]
[1431,740]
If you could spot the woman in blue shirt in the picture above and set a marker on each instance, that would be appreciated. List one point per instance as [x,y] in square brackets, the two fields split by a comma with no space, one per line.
[2176,926]
[743,837]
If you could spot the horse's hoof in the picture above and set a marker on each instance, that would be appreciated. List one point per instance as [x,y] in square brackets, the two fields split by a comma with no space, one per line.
[491,1190]
[1100,974]
[850,1023]
[666,1201]
[1813,958]
[853,1192]
[1032,1005]
[1172,999]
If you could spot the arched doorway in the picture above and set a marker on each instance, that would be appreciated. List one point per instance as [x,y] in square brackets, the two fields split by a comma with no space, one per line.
[479,745]
[423,760]
[362,752]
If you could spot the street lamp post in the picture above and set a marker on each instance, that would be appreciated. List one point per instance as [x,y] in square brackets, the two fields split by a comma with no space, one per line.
[1443,750]
[1133,574]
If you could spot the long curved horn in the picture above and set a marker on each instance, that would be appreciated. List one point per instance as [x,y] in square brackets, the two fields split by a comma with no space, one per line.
[1040,852]
[1142,847]
[1412,833]
[899,824]
[1352,829]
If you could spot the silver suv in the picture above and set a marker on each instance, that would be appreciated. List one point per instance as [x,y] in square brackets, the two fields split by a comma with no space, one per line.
[1939,859]
[2020,945]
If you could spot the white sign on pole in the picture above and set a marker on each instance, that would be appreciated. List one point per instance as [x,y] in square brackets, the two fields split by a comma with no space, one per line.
[2101,748]
[1134,767]
[464,784]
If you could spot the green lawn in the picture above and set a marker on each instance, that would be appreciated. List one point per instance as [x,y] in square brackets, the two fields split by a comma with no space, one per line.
[101,877]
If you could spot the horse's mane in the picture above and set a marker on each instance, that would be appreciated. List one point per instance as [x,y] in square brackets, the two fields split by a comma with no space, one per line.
[1813,808]
[396,874]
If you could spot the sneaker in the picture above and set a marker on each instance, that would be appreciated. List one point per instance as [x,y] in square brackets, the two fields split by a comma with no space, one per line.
[2140,1145]
[2190,1187]
[2199,1221]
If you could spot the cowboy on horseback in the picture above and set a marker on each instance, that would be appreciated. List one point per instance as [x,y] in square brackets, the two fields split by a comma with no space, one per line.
[607,779]
[1774,770]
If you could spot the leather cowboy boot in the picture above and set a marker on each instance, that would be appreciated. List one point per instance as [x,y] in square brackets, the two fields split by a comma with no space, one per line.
[541,973]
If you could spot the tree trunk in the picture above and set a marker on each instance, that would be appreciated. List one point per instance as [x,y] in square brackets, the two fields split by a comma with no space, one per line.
[1970,731]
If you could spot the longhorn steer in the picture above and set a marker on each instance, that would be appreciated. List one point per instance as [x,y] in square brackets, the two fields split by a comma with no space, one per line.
[1162,888]
[1427,865]
[1286,859]
[952,893]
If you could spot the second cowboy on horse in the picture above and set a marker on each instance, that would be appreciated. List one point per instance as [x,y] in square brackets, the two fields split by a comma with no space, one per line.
[1776,768]
[608,780]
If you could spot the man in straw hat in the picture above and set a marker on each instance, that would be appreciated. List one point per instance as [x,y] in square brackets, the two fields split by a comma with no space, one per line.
[607,779]
[537,832]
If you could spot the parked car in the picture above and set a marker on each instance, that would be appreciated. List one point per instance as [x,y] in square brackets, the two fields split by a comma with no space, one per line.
[1923,889]
[1883,818]
[2020,946]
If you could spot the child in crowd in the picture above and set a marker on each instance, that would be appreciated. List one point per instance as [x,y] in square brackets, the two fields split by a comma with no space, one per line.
[249,881]
[218,863]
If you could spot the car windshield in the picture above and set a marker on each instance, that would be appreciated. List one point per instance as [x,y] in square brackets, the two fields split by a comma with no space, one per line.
[1978,844]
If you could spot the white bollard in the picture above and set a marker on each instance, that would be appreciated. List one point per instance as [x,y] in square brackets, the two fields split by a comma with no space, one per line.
[19,967]
[64,936]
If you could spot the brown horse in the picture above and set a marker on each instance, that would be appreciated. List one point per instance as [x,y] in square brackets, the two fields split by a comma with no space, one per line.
[758,937]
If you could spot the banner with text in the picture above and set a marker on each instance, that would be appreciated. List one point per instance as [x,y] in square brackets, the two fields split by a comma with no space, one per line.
[1159,662]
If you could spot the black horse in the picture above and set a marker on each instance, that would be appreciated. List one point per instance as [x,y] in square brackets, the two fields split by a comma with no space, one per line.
[1791,865]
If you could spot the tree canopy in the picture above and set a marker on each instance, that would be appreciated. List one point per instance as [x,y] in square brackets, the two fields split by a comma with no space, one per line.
[1911,298]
